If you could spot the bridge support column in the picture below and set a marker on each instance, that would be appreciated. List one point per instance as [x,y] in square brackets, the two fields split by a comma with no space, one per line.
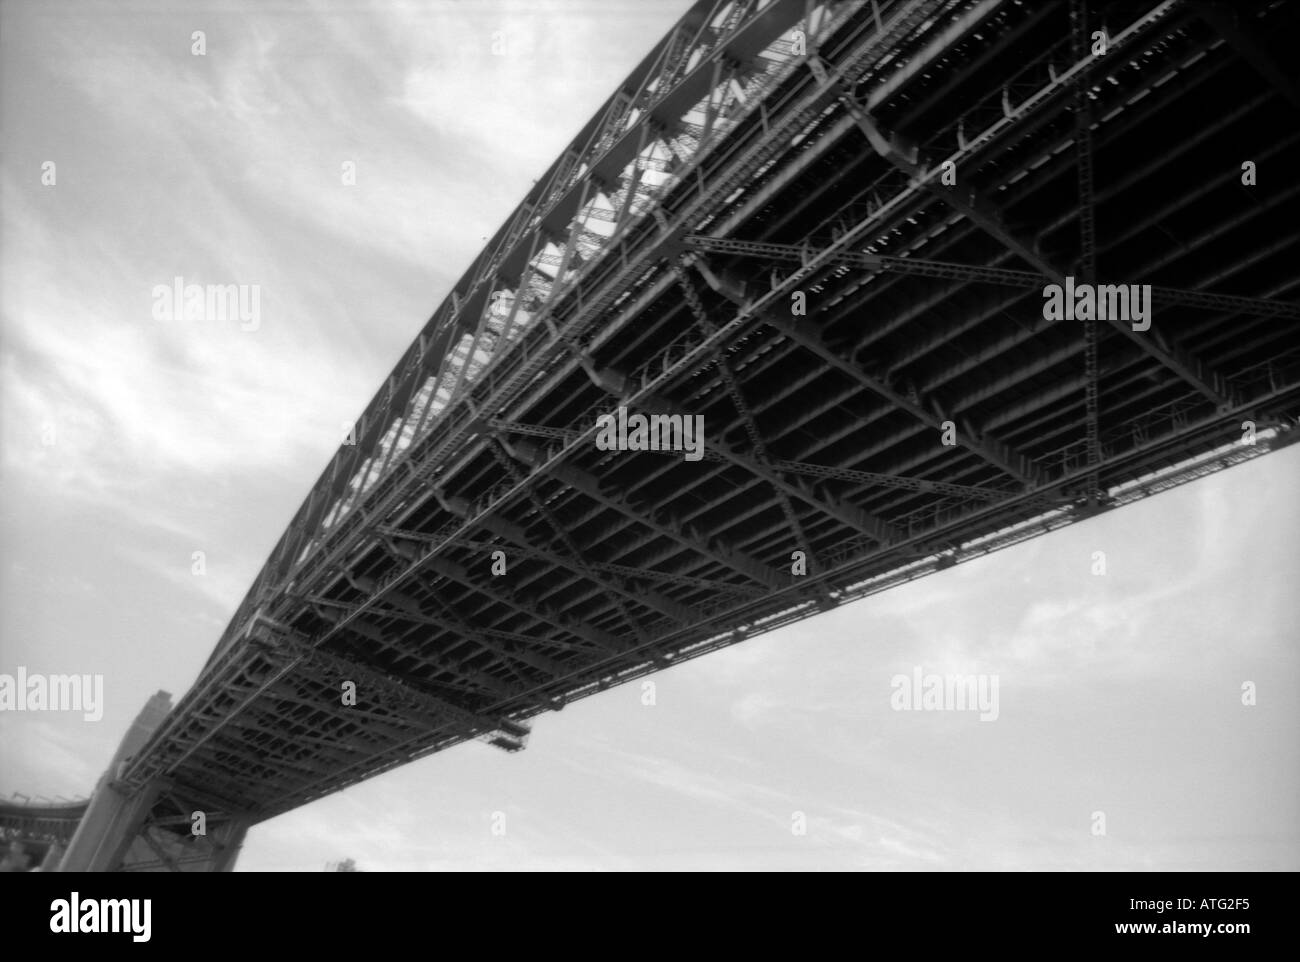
[112,821]
[53,856]
[113,816]
[227,849]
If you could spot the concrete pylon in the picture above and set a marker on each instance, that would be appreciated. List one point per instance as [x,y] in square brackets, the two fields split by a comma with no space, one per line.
[118,831]
[113,817]
[53,856]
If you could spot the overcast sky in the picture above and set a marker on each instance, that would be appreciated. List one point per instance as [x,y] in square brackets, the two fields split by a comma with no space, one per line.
[1118,693]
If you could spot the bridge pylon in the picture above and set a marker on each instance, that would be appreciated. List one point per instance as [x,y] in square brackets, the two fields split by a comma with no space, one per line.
[149,828]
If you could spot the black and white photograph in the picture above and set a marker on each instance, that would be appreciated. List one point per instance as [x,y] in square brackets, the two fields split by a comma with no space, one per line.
[690,436]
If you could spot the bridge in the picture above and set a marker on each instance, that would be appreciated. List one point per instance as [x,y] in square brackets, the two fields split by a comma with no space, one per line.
[35,833]
[831,230]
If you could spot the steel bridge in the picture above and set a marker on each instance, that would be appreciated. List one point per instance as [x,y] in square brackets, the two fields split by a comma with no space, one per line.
[826,227]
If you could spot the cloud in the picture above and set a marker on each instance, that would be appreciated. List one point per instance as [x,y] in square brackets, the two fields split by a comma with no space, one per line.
[750,709]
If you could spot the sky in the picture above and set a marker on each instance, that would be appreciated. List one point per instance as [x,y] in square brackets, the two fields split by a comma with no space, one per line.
[128,443]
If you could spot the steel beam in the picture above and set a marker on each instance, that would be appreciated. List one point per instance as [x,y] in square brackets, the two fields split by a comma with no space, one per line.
[759,464]
[595,637]
[1087,241]
[403,697]
[742,408]
[802,332]
[626,571]
[576,561]
[654,518]
[985,215]
[408,611]
[832,472]
[922,267]
[1255,49]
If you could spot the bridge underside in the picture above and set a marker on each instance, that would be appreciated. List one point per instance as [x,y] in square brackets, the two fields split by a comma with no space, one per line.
[824,432]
